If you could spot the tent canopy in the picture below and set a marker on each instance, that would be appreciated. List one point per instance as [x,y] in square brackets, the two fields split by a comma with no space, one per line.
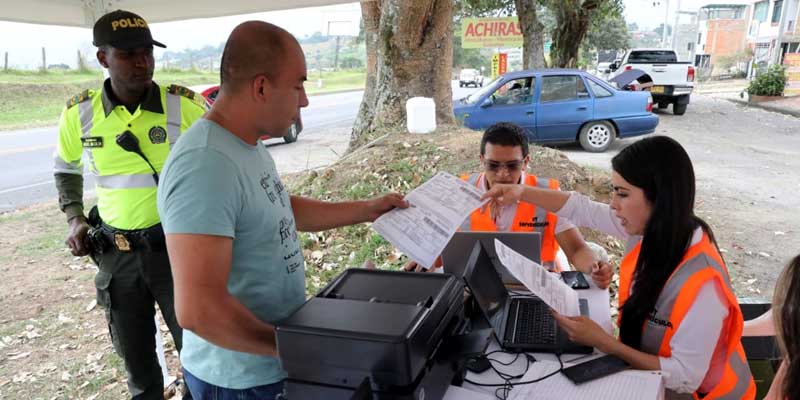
[83,13]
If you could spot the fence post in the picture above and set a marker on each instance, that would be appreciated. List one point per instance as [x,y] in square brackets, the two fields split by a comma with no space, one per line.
[5,65]
[44,60]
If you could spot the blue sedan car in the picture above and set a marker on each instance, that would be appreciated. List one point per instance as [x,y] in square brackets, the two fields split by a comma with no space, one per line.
[558,106]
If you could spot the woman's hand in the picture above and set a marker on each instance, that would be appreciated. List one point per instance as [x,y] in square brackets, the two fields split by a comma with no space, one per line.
[504,194]
[583,330]
[602,274]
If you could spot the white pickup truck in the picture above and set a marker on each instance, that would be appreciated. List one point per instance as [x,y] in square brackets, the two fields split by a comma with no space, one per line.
[672,80]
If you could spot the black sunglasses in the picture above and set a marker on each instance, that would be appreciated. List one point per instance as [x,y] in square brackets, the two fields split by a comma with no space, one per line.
[511,166]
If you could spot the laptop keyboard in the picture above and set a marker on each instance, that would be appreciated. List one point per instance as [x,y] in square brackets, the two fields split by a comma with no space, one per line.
[534,323]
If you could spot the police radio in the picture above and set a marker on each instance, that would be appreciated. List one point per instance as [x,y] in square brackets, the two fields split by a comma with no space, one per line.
[130,143]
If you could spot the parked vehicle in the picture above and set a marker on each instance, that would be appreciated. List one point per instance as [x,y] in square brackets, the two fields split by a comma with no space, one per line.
[560,106]
[672,80]
[469,76]
[290,137]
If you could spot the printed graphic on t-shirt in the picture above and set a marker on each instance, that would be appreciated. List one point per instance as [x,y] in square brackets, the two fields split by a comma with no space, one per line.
[273,188]
[266,184]
[288,234]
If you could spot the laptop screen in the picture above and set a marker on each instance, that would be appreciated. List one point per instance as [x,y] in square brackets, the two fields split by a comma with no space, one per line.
[486,286]
[457,252]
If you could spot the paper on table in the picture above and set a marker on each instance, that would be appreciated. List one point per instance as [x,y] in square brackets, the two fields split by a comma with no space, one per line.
[437,208]
[626,385]
[547,286]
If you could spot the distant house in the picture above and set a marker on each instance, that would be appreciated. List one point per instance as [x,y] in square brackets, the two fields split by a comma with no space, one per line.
[722,32]
[764,28]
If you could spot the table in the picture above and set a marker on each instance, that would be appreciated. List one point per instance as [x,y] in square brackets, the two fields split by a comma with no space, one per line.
[599,311]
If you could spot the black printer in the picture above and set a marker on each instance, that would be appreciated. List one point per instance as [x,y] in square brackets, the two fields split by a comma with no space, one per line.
[374,334]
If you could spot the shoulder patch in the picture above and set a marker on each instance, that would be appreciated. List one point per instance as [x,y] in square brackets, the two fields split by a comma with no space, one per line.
[79,98]
[182,91]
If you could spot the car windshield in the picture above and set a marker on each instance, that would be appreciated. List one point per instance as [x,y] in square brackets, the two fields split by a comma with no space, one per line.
[653,56]
[474,97]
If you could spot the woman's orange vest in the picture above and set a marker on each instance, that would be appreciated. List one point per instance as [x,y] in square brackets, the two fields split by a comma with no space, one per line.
[700,264]
[528,218]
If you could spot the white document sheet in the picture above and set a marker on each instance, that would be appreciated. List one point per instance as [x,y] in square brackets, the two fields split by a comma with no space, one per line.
[545,285]
[625,385]
[437,208]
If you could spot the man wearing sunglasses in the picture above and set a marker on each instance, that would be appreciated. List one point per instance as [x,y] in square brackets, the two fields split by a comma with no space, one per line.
[504,157]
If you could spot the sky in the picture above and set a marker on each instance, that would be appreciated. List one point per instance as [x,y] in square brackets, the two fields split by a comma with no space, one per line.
[62,43]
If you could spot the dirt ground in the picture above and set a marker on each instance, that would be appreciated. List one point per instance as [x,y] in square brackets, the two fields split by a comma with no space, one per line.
[54,340]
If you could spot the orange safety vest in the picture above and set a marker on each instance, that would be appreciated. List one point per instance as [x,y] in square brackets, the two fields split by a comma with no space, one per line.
[700,264]
[528,218]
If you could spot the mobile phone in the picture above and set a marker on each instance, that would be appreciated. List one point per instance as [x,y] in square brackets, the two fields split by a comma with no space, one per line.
[593,369]
[575,279]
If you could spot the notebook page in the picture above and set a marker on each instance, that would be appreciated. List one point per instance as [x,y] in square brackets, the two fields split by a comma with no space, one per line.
[626,385]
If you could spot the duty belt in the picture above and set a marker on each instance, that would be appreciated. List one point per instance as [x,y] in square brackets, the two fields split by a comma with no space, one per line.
[148,239]
[103,236]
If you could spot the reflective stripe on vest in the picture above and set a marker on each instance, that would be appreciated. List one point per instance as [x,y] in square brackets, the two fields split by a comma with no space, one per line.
[126,181]
[541,221]
[701,264]
[63,167]
[173,118]
[86,113]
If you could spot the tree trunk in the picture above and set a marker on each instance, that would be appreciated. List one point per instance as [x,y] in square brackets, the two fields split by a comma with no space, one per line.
[371,14]
[414,58]
[532,33]
[572,22]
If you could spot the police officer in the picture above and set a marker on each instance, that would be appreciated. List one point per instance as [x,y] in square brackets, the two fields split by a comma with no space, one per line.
[123,132]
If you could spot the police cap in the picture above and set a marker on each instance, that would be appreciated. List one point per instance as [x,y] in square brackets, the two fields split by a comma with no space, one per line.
[123,30]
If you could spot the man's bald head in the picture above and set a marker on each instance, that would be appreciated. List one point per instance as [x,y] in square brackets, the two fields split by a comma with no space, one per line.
[254,48]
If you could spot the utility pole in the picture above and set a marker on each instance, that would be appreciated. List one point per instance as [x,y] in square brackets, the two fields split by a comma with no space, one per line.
[778,51]
[666,23]
[675,26]
[336,54]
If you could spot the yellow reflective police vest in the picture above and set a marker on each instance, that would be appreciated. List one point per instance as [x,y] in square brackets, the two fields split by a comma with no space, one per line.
[89,125]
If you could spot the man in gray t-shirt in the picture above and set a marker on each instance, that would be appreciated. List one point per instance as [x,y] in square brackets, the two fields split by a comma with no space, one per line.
[231,226]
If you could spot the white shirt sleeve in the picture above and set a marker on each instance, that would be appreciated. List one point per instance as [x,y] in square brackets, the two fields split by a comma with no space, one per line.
[563,224]
[585,212]
[696,341]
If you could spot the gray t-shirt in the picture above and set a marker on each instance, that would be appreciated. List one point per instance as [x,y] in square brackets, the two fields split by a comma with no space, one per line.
[216,184]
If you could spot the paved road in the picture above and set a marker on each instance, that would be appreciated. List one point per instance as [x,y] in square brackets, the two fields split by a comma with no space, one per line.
[26,156]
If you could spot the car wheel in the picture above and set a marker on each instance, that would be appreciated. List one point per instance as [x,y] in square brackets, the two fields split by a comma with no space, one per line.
[291,136]
[597,136]
[662,105]
[679,109]
[460,84]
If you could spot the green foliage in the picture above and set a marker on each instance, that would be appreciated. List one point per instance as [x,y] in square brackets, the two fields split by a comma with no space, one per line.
[351,63]
[484,8]
[608,31]
[573,20]
[769,83]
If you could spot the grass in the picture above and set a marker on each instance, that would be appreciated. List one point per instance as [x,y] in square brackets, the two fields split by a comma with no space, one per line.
[33,99]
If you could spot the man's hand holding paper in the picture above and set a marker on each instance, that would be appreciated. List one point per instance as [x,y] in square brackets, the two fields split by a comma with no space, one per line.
[438,207]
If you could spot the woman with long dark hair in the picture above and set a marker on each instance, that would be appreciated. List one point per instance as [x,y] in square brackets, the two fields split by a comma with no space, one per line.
[677,309]
[786,306]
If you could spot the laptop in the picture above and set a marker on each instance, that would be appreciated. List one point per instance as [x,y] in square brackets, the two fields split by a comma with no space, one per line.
[456,254]
[520,323]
